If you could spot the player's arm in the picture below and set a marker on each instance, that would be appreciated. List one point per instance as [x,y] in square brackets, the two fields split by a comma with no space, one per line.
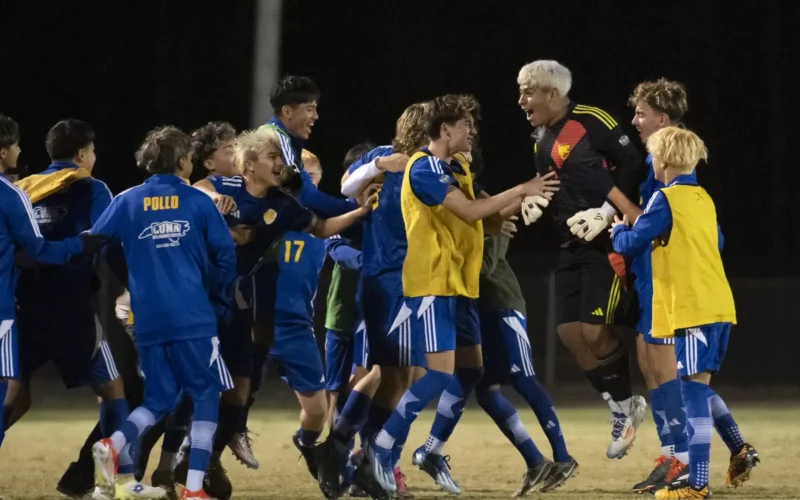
[101,199]
[655,221]
[224,203]
[365,171]
[221,250]
[342,253]
[324,228]
[475,210]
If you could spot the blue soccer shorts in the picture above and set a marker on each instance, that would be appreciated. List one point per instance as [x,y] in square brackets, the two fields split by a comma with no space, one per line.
[9,356]
[296,354]
[468,324]
[72,339]
[338,359]
[194,365]
[389,321]
[236,343]
[701,349]
[506,347]
[434,322]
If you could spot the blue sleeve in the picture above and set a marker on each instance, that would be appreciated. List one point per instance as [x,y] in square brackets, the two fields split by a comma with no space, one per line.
[107,223]
[221,249]
[428,183]
[342,253]
[24,231]
[323,204]
[369,156]
[654,222]
[101,199]
[720,238]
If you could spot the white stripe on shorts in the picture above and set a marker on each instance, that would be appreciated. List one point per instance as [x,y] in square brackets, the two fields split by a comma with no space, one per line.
[7,369]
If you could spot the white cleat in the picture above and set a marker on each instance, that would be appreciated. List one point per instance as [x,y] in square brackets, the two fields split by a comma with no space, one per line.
[134,490]
[623,430]
[105,469]
[241,446]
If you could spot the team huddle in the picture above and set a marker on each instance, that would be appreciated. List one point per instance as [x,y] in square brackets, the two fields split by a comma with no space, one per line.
[220,252]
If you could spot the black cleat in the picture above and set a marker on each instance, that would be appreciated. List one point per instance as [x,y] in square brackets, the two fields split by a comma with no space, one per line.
[76,483]
[559,474]
[216,483]
[163,479]
[329,464]
[308,455]
[533,477]
[665,472]
[365,480]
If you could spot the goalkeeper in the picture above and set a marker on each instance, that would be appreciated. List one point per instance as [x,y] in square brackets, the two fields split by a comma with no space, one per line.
[600,171]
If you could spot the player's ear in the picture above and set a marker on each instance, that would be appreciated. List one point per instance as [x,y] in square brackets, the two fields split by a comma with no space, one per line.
[208,165]
[3,153]
[286,110]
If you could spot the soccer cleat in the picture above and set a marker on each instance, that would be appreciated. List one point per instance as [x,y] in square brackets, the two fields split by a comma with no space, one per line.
[438,467]
[623,429]
[307,453]
[134,490]
[105,467]
[364,480]
[400,481]
[683,493]
[241,446]
[666,470]
[741,465]
[559,474]
[329,465]
[533,477]
[356,492]
[76,483]
[163,479]
[380,459]
[216,482]
[181,469]
[195,495]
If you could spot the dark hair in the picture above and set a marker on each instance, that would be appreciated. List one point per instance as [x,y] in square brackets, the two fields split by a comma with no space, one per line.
[206,139]
[162,150]
[292,91]
[477,166]
[67,137]
[446,109]
[357,152]
[9,132]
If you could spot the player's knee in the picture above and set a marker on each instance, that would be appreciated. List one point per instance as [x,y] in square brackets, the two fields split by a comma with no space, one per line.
[483,394]
[113,389]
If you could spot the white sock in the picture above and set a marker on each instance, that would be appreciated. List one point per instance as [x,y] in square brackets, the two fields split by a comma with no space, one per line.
[668,451]
[434,446]
[623,406]
[194,480]
[118,441]
[384,440]
[683,457]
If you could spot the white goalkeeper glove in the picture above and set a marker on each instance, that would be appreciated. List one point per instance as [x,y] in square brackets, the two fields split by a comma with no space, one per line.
[587,224]
[532,208]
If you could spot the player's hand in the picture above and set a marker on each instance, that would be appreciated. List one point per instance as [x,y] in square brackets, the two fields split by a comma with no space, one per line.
[532,208]
[543,186]
[92,243]
[369,204]
[225,204]
[587,224]
[393,163]
[618,222]
[508,228]
[368,192]
[242,234]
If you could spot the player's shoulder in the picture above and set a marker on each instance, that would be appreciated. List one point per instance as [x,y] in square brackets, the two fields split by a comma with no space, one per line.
[226,185]
[11,193]
[592,118]
[99,187]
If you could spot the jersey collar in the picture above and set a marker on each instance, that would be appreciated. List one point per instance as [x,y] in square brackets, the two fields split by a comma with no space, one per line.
[685,179]
[60,165]
[454,165]
[166,179]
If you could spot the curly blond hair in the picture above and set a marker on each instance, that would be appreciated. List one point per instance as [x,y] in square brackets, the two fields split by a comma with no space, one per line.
[662,95]
[410,134]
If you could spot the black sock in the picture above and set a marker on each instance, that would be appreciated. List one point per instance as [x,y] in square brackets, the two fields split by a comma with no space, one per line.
[144,445]
[226,426]
[257,374]
[596,379]
[615,373]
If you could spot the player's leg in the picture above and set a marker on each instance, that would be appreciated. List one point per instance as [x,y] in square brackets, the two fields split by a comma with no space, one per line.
[338,364]
[9,366]
[433,325]
[108,385]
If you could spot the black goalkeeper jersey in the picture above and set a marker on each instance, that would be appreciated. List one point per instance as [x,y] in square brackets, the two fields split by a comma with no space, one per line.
[590,154]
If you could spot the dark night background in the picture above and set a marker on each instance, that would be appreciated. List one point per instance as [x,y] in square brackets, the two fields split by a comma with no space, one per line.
[126,67]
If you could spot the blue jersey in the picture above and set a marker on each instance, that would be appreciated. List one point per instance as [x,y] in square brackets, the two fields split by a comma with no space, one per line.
[300,258]
[321,203]
[62,215]
[384,238]
[178,249]
[18,229]
[640,264]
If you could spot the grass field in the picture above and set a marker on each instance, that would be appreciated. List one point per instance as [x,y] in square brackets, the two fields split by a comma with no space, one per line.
[36,452]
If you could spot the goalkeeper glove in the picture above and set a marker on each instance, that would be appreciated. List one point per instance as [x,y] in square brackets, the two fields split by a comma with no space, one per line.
[587,224]
[532,208]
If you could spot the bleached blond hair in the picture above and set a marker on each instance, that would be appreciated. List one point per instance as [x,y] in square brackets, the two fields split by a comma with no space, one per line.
[677,148]
[251,144]
[546,74]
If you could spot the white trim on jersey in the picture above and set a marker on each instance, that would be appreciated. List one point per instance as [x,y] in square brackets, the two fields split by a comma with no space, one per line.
[26,202]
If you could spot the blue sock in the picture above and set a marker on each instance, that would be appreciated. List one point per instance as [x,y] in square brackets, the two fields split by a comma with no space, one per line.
[3,390]
[542,405]
[377,416]
[662,424]
[672,402]
[451,406]
[399,443]
[411,404]
[125,461]
[112,414]
[695,397]
[204,426]
[507,419]
[353,415]
[725,424]
[308,438]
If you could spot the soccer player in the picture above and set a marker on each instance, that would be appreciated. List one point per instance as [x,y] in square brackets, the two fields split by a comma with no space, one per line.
[442,221]
[600,168]
[658,104]
[55,315]
[692,300]
[178,251]
[19,229]
[213,151]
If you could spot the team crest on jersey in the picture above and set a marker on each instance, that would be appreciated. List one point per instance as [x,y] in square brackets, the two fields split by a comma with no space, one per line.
[270,216]
[171,231]
[444,179]
[50,215]
[563,151]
